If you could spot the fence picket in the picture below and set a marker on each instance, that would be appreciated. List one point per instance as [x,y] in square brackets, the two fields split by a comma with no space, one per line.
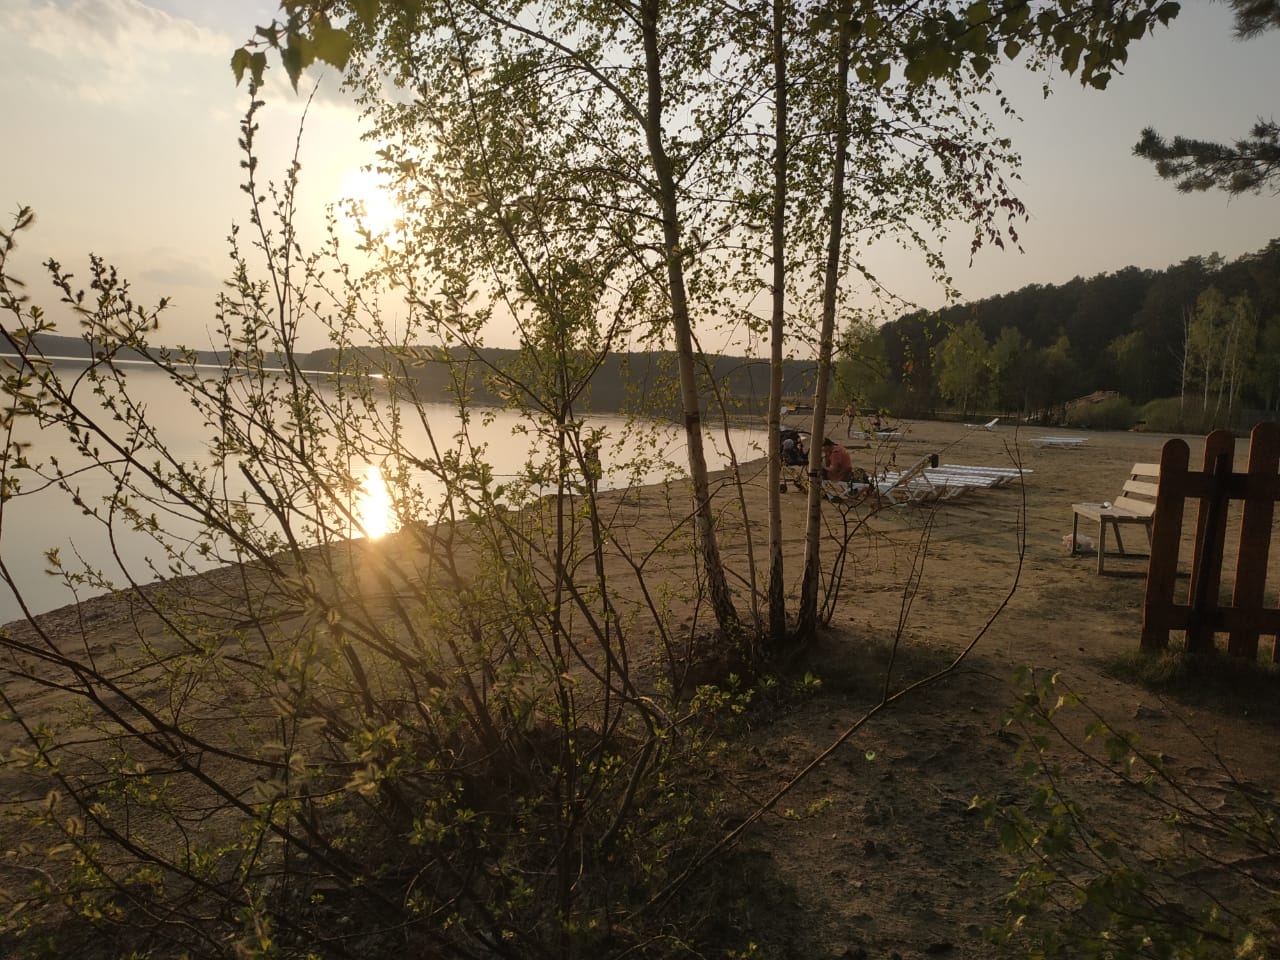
[1255,537]
[1166,537]
[1211,538]
[1215,486]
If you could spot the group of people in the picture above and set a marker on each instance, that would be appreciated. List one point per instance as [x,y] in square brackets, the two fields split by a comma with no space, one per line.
[836,463]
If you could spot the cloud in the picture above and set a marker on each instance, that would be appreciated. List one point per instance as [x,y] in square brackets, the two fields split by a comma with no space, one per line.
[105,51]
[178,272]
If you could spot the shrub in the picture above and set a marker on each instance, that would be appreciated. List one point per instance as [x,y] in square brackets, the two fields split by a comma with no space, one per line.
[1178,885]
[1175,415]
[1115,413]
[442,741]
[1189,415]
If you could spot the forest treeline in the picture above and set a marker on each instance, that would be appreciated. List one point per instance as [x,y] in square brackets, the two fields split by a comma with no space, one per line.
[1191,347]
[1188,348]
[625,382]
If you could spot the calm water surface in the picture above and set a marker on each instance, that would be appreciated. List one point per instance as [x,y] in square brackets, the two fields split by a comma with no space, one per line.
[33,524]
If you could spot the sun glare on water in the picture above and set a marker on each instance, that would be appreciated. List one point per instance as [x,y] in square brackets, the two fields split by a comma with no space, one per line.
[374,510]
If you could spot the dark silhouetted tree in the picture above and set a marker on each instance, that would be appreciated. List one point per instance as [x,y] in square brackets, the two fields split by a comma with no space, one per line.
[1250,164]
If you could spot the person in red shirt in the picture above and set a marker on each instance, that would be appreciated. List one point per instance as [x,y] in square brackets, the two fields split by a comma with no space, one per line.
[836,464]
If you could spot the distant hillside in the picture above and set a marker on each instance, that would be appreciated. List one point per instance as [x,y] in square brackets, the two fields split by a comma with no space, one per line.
[56,345]
[625,382]
[628,382]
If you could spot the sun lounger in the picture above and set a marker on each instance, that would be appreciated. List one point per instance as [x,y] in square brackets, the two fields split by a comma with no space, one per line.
[1136,504]
[946,477]
[880,436]
[1064,443]
[1002,476]
[917,484]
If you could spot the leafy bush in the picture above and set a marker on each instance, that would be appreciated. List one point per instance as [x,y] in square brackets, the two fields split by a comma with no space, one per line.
[1176,415]
[440,743]
[1178,885]
[1114,413]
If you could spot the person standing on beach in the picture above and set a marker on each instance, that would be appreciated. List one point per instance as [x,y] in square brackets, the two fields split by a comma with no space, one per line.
[850,418]
[592,456]
[836,464]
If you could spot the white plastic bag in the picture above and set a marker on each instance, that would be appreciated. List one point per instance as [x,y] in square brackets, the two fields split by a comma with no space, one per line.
[1082,542]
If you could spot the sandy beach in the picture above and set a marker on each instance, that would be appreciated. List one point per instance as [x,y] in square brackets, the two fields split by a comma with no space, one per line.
[876,853]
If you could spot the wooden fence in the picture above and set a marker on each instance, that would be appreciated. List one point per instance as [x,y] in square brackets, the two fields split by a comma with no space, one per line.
[1203,615]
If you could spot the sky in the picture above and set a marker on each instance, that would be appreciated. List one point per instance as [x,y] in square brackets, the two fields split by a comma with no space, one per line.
[120,122]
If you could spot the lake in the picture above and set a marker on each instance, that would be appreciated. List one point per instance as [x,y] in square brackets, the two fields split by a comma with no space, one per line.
[40,520]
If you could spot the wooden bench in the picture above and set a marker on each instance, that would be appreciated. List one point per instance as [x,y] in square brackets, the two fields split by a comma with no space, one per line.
[1136,504]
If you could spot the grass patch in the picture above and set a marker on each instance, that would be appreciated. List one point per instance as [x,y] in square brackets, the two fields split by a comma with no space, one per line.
[1229,685]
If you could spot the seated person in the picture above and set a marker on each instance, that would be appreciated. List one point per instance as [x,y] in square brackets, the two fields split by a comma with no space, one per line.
[789,456]
[836,464]
[793,451]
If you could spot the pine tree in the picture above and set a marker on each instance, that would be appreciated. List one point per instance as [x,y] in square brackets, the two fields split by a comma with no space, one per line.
[1250,164]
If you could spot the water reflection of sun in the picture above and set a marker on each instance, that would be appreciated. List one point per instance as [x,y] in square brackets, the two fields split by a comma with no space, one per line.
[374,511]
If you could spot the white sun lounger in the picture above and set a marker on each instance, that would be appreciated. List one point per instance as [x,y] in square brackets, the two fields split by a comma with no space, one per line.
[1064,443]
[1002,476]
[917,484]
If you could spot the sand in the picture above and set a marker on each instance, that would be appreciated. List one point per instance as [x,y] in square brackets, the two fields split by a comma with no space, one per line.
[876,852]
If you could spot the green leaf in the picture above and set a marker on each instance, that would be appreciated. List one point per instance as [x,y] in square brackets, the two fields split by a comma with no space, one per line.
[1137,27]
[1071,54]
[297,56]
[824,20]
[257,67]
[292,60]
[332,46]
[1017,17]
[978,12]
[366,11]
[874,74]
[1167,11]
[981,65]
[916,72]
[1116,748]
[239,63]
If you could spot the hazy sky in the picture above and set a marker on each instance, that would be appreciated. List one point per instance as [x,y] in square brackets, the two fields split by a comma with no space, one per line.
[120,120]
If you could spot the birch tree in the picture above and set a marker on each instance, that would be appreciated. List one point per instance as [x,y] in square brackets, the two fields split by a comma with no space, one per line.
[1206,342]
[662,100]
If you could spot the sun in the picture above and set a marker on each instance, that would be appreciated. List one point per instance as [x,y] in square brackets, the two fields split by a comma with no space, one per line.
[368,204]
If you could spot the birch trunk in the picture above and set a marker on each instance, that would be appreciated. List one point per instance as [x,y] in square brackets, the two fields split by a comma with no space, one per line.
[808,619]
[704,519]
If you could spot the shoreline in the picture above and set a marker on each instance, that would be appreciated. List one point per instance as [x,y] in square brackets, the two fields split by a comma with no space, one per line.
[945,436]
